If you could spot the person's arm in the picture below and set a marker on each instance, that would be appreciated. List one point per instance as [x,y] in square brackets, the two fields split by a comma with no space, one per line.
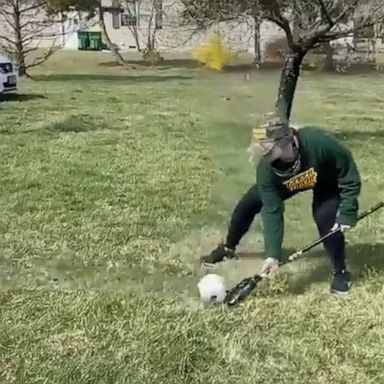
[349,182]
[272,213]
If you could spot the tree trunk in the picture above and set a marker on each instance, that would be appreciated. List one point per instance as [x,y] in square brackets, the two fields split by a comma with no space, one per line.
[288,81]
[257,41]
[329,65]
[136,36]
[134,11]
[108,41]
[137,25]
[20,57]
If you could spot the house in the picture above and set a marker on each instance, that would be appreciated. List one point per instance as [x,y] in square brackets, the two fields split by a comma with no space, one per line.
[133,24]
[130,23]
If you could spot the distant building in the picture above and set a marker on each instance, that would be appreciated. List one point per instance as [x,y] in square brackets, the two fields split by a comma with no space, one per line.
[128,22]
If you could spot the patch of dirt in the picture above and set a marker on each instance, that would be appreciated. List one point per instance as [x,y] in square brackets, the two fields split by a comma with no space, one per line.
[199,243]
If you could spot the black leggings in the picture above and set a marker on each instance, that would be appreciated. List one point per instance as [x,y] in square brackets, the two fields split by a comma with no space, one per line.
[324,211]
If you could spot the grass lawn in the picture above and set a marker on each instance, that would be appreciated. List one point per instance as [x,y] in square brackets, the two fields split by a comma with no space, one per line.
[113,184]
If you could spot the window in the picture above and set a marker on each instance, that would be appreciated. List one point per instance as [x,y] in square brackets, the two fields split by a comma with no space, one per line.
[116,20]
[128,20]
[116,14]
[145,18]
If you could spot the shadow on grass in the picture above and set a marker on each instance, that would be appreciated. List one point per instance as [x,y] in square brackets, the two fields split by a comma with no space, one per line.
[111,78]
[359,257]
[190,63]
[20,97]
[249,66]
[73,124]
[165,64]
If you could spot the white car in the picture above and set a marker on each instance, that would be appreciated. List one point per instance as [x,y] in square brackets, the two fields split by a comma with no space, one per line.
[8,75]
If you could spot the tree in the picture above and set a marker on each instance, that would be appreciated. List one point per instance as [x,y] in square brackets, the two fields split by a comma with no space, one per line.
[24,25]
[132,8]
[316,22]
[205,13]
[93,8]
[149,13]
[307,25]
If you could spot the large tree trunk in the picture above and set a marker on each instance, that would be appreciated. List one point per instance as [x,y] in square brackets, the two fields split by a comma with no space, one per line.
[257,41]
[329,65]
[288,81]
[108,41]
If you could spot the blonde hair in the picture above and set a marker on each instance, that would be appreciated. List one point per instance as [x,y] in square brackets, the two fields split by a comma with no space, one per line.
[254,153]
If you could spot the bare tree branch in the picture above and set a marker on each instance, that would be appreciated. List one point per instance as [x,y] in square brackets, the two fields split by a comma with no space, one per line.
[40,60]
[9,21]
[32,7]
[319,36]
[325,13]
[28,25]
[4,11]
[7,39]
[134,15]
[284,25]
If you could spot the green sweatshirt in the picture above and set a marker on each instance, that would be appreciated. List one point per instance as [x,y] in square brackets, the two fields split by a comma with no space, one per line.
[326,168]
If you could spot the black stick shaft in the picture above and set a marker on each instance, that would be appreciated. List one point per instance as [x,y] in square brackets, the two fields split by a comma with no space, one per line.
[321,239]
[246,286]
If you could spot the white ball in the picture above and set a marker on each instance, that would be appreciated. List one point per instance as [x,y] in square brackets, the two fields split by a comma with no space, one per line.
[212,288]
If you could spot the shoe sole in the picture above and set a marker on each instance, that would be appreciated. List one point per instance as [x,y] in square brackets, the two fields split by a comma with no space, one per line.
[206,264]
[341,293]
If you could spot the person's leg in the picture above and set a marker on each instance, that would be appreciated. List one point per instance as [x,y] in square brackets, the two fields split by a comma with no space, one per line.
[324,212]
[242,216]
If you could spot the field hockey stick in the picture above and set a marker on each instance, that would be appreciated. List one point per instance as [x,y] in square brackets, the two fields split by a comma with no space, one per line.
[247,285]
[364,214]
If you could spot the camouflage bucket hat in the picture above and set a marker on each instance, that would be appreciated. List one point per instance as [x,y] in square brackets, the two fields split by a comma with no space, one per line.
[271,135]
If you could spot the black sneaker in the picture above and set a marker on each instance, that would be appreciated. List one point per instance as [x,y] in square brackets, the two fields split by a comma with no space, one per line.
[341,283]
[221,253]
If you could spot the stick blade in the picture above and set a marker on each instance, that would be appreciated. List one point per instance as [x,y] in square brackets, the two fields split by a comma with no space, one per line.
[242,290]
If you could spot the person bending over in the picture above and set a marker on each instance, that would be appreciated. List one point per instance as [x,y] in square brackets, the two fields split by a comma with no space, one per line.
[291,161]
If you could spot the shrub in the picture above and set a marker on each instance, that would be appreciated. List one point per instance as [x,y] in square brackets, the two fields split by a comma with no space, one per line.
[213,55]
[152,56]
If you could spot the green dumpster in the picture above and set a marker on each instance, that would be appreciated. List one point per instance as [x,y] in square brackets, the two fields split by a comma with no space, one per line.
[83,40]
[89,41]
[95,41]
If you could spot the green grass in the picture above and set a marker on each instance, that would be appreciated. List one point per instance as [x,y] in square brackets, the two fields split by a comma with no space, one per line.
[114,182]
